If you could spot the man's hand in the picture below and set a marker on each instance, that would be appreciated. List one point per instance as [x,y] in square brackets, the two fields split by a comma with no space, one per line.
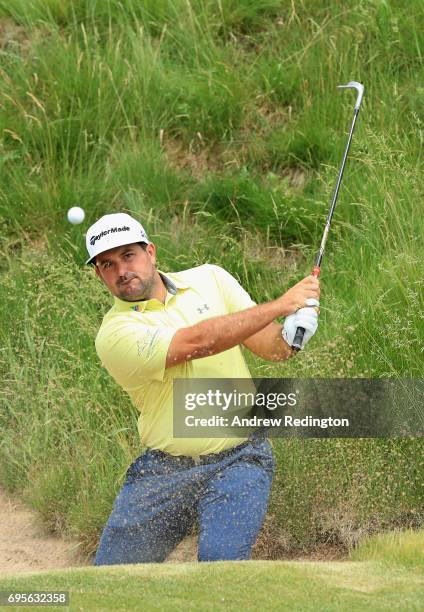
[296,297]
[305,317]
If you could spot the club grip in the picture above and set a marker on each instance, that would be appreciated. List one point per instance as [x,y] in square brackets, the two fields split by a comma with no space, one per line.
[300,331]
[298,339]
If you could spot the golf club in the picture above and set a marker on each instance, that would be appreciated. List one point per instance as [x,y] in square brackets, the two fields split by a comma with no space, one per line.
[297,342]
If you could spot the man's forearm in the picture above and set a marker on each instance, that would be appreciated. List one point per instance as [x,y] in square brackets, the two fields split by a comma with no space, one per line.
[221,333]
[269,344]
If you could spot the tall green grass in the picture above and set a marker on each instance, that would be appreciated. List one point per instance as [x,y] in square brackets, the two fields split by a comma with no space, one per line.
[219,125]
[397,547]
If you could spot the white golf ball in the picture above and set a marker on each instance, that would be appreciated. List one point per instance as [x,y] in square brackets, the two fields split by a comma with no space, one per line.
[76,215]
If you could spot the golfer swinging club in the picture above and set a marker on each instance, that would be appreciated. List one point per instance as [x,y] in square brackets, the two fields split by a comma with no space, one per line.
[187,324]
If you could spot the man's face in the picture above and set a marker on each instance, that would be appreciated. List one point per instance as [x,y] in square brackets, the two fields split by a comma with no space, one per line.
[129,271]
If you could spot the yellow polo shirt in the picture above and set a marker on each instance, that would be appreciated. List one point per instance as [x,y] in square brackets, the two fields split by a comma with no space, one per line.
[133,342]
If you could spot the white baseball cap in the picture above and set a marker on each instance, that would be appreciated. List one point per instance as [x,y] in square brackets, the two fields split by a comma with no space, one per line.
[111,231]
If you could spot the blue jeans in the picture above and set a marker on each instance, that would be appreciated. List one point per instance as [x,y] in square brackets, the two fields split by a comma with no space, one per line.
[164,495]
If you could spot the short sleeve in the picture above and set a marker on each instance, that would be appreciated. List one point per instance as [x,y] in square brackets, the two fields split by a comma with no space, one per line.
[236,298]
[134,353]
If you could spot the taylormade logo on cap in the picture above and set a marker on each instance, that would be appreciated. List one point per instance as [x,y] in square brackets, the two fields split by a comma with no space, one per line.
[104,233]
[111,231]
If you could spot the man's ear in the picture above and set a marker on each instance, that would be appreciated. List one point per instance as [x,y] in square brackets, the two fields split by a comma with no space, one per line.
[151,250]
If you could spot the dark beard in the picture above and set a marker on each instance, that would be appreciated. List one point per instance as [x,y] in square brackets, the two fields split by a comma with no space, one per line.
[145,290]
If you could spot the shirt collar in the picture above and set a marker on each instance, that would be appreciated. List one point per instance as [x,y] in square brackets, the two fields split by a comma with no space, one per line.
[172,284]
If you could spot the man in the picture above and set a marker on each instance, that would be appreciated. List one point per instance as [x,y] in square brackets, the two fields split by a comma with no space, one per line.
[188,324]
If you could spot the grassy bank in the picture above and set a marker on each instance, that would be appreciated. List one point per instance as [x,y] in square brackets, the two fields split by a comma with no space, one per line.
[222,121]
[219,125]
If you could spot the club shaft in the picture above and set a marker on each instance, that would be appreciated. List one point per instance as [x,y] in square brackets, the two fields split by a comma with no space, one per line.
[300,332]
[336,193]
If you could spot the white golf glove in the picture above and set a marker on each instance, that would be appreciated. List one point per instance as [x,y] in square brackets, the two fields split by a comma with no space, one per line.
[304,317]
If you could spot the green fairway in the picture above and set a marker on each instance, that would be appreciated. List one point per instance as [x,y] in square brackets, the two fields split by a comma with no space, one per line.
[253,585]
[389,575]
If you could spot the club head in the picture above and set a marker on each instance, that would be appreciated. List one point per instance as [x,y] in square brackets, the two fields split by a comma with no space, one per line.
[359,88]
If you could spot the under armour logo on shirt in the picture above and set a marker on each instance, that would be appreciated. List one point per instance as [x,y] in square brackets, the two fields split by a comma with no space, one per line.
[203,308]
